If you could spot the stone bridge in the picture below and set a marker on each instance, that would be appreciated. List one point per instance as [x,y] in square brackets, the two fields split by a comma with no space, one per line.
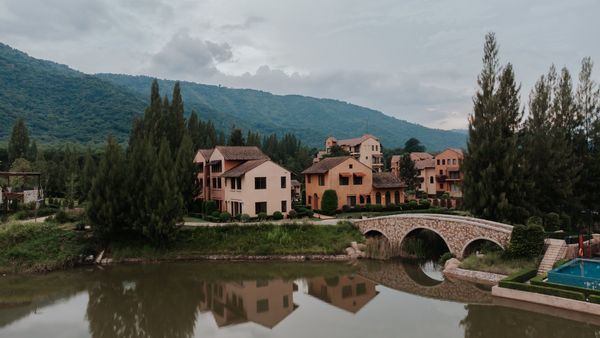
[457,231]
[410,278]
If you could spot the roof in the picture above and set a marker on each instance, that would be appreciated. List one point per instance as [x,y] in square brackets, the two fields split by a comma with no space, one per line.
[325,165]
[427,163]
[456,150]
[296,183]
[243,168]
[386,180]
[356,141]
[238,153]
[419,156]
[206,153]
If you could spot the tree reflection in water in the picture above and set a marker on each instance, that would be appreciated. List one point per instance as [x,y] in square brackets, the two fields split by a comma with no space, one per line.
[484,321]
[143,304]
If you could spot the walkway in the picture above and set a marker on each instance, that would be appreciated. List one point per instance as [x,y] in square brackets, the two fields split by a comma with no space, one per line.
[557,249]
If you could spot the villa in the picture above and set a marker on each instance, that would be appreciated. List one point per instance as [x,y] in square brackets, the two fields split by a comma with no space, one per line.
[367,149]
[243,180]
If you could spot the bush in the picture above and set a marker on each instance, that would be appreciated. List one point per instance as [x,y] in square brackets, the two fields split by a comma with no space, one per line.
[262,216]
[345,208]
[277,215]
[551,221]
[245,218]
[412,204]
[424,204]
[329,202]
[292,214]
[542,290]
[526,241]
[535,220]
[594,299]
[62,217]
[225,217]
[565,222]
[210,207]
[521,276]
[215,214]
[446,256]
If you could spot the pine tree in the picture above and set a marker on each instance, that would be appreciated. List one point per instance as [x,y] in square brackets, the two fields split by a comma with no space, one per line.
[413,145]
[185,172]
[493,175]
[194,131]
[176,120]
[18,145]
[87,174]
[108,208]
[408,172]
[236,138]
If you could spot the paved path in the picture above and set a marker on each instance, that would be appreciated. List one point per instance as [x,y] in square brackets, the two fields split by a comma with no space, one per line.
[328,221]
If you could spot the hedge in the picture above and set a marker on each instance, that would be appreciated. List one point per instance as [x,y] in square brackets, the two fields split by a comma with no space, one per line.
[521,276]
[595,299]
[586,292]
[543,290]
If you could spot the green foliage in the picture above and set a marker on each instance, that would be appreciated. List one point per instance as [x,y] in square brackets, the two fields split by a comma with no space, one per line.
[210,207]
[526,241]
[236,138]
[277,215]
[413,145]
[329,202]
[535,220]
[497,262]
[244,218]
[594,299]
[336,151]
[517,282]
[446,256]
[225,217]
[262,216]
[18,145]
[292,214]
[408,172]
[552,221]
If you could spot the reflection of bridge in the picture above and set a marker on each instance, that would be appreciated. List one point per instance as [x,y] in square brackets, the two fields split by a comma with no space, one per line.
[407,277]
[458,232]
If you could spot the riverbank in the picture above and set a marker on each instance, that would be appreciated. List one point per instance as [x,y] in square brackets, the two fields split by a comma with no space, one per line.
[42,247]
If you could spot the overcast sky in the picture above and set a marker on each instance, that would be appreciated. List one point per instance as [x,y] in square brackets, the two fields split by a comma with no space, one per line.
[415,60]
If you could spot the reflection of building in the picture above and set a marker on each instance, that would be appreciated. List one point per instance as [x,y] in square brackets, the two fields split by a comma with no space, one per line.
[263,302]
[350,293]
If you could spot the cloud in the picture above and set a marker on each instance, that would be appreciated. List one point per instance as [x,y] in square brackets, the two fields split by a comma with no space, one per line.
[189,58]
[250,22]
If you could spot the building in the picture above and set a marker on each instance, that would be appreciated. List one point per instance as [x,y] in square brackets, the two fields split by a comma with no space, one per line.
[366,149]
[449,177]
[243,180]
[354,182]
[425,164]
[296,191]
[265,303]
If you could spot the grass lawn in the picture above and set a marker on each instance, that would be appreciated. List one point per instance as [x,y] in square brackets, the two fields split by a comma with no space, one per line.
[38,247]
[495,263]
[262,239]
[369,214]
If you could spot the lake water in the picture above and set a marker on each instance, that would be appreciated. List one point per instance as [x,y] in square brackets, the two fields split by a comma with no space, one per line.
[208,299]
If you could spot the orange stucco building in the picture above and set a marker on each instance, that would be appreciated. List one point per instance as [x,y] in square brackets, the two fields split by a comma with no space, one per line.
[354,182]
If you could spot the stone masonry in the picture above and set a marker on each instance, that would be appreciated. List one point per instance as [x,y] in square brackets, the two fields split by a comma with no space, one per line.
[457,231]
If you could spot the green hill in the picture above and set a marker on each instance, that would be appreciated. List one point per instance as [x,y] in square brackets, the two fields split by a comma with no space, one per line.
[64,105]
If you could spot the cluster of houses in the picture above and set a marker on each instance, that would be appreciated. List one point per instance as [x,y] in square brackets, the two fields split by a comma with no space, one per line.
[243,180]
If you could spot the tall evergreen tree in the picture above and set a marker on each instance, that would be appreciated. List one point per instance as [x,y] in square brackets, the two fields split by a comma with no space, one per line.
[236,138]
[185,172]
[493,178]
[18,145]
[87,174]
[176,120]
[194,131]
[408,172]
[413,145]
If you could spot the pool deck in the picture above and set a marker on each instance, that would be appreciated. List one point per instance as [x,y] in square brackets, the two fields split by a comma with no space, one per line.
[547,300]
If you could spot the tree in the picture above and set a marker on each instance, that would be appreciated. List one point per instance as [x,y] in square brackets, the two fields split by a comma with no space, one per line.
[336,151]
[18,145]
[185,170]
[493,177]
[236,138]
[19,165]
[87,174]
[108,210]
[408,172]
[329,202]
[413,145]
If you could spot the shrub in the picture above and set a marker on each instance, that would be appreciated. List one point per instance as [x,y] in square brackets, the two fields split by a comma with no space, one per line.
[412,204]
[277,215]
[595,299]
[329,202]
[565,222]
[245,218]
[225,217]
[210,207]
[537,220]
[62,217]
[424,204]
[215,214]
[526,241]
[262,216]
[309,213]
[292,214]
[551,221]
[345,208]
[542,290]
[446,256]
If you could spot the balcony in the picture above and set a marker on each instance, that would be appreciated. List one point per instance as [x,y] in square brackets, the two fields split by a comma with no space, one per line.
[441,178]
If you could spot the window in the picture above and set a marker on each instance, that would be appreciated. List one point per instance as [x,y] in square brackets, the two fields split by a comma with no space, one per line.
[262,305]
[378,198]
[368,199]
[438,162]
[321,180]
[217,167]
[260,207]
[286,301]
[216,183]
[350,166]
[357,180]
[431,179]
[309,199]
[441,185]
[344,180]
[362,199]
[453,161]
[260,183]
[283,206]
[239,183]
[444,162]
[441,172]
[283,182]
[361,289]
[372,148]
[397,197]
[388,198]
[262,283]
[308,178]
[201,183]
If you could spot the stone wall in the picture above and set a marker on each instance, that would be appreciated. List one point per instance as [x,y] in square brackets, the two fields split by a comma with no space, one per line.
[458,232]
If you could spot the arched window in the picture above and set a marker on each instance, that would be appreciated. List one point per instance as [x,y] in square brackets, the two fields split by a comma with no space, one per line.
[397,197]
[378,198]
[388,198]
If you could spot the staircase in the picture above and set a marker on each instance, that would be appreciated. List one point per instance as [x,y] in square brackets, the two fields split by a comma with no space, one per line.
[556,250]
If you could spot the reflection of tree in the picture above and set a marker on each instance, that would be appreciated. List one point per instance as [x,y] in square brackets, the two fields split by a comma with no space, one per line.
[494,321]
[152,303]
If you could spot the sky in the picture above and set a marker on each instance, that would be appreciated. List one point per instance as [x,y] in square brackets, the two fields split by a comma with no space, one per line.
[416,60]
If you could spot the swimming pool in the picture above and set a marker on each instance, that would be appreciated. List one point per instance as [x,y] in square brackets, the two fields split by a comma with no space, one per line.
[579,272]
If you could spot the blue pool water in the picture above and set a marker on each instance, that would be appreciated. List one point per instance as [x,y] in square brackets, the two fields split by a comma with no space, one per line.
[583,273]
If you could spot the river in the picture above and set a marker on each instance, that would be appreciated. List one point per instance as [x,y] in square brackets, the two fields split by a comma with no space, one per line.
[217,299]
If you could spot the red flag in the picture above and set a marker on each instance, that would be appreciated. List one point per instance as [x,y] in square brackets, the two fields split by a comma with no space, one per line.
[580,245]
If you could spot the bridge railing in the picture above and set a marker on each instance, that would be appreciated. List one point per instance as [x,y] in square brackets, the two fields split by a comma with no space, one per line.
[470,220]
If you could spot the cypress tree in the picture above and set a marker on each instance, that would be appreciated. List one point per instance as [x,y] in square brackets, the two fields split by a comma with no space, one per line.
[193,129]
[18,145]
[176,120]
[408,172]
[185,172]
[236,138]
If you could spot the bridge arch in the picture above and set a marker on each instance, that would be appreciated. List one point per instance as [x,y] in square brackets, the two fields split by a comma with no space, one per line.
[456,231]
[480,239]
[411,231]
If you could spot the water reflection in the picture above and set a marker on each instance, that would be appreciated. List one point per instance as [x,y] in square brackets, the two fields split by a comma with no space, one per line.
[209,299]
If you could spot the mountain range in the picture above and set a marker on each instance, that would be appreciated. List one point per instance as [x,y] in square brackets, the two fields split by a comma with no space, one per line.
[60,104]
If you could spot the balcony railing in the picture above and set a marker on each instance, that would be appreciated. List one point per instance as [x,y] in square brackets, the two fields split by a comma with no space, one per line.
[441,178]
